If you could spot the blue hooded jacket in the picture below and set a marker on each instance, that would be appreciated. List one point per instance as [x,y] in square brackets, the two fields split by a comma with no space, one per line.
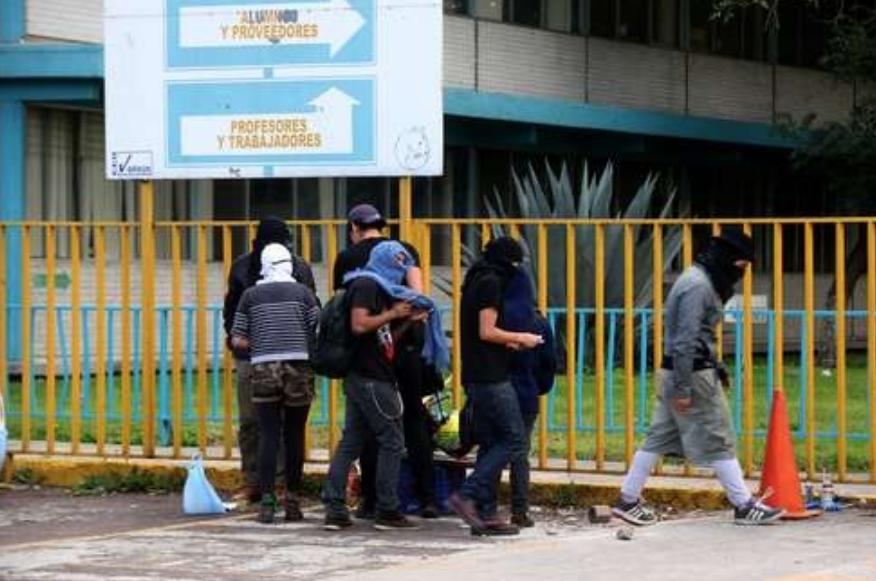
[385,268]
[532,370]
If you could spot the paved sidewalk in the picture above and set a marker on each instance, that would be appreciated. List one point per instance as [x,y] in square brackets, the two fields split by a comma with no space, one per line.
[51,535]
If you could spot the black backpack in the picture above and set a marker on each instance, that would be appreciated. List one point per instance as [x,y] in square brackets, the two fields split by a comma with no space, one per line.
[335,344]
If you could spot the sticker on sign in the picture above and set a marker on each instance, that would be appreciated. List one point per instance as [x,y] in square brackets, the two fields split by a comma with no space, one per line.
[132,164]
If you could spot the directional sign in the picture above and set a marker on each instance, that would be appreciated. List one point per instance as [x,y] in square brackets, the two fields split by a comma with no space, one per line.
[260,88]
[241,33]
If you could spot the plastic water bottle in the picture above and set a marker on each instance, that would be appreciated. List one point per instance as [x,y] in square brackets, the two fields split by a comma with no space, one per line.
[828,495]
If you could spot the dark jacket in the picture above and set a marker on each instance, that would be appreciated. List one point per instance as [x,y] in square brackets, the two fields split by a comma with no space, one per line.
[532,371]
[240,279]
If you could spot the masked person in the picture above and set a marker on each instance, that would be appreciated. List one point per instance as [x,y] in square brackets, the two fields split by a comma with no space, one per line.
[244,273]
[691,418]
[276,323]
[487,347]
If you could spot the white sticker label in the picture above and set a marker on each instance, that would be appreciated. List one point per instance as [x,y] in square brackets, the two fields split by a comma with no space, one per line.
[132,164]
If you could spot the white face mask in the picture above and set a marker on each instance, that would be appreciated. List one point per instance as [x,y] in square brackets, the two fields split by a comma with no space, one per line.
[276,264]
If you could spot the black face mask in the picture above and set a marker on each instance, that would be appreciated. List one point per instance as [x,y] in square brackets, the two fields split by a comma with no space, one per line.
[719,262]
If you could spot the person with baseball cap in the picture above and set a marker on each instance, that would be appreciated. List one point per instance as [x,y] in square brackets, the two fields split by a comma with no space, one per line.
[691,417]
[365,226]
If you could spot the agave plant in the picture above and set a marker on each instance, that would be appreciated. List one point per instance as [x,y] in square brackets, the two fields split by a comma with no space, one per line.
[594,200]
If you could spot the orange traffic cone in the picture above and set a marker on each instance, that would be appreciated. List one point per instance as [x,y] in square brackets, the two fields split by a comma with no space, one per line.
[780,478]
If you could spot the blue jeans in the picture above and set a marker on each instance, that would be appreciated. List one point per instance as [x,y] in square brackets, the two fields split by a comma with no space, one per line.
[500,436]
[374,410]
[520,470]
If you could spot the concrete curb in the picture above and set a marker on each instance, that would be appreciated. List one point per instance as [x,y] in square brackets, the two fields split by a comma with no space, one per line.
[69,471]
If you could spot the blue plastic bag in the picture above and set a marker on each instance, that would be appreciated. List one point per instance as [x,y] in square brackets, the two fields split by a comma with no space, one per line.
[199,496]
[3,434]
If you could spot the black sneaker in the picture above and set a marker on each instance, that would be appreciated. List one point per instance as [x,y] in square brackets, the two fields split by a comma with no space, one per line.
[430,511]
[335,522]
[292,507]
[635,513]
[392,521]
[522,520]
[365,512]
[757,513]
[495,527]
[267,509]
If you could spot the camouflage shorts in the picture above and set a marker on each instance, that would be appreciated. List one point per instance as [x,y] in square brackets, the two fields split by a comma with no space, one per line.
[288,382]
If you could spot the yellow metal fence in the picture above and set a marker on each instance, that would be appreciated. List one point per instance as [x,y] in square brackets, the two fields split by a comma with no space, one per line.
[114,346]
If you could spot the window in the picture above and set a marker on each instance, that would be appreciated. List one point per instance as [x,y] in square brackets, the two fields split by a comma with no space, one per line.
[491,9]
[558,15]
[456,6]
[602,18]
[634,20]
[526,12]
[665,26]
[700,26]
[728,36]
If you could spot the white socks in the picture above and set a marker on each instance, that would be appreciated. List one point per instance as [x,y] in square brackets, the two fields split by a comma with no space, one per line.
[634,481]
[729,472]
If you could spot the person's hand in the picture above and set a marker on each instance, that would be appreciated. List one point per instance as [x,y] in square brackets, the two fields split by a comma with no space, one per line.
[681,404]
[240,346]
[419,315]
[529,340]
[401,310]
[514,346]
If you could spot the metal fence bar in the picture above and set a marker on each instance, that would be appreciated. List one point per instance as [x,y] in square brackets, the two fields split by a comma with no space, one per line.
[100,349]
[809,307]
[571,376]
[840,336]
[51,379]
[125,251]
[178,346]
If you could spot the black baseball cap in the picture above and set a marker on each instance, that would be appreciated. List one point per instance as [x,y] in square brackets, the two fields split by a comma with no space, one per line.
[366,215]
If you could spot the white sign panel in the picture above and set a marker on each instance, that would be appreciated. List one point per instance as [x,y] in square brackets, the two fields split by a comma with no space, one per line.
[254,88]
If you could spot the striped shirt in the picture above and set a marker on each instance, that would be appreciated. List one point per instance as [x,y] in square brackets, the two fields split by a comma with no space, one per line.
[279,320]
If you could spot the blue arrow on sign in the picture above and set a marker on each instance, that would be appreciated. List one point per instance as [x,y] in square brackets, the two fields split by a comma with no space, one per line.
[237,33]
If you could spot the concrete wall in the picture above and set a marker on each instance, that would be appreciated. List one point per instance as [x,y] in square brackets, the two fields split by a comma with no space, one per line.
[69,20]
[494,57]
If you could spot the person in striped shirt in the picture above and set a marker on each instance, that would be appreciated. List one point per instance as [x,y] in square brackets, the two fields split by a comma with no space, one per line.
[276,322]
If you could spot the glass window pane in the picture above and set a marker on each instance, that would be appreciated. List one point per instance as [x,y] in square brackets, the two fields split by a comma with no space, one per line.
[666,22]
[456,6]
[633,20]
[491,9]
[602,18]
[700,26]
[559,15]
[527,12]
[727,41]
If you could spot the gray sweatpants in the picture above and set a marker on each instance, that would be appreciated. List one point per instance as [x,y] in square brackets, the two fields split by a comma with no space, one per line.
[702,435]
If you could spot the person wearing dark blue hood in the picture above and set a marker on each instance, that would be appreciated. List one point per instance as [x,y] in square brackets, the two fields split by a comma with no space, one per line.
[691,418]
[487,347]
[532,375]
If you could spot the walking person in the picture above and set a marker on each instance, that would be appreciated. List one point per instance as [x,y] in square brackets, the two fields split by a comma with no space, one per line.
[487,347]
[276,322]
[532,375]
[381,311]
[691,417]
[245,272]
[365,226]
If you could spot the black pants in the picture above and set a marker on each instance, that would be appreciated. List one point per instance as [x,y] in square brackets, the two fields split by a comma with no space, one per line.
[418,443]
[294,423]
